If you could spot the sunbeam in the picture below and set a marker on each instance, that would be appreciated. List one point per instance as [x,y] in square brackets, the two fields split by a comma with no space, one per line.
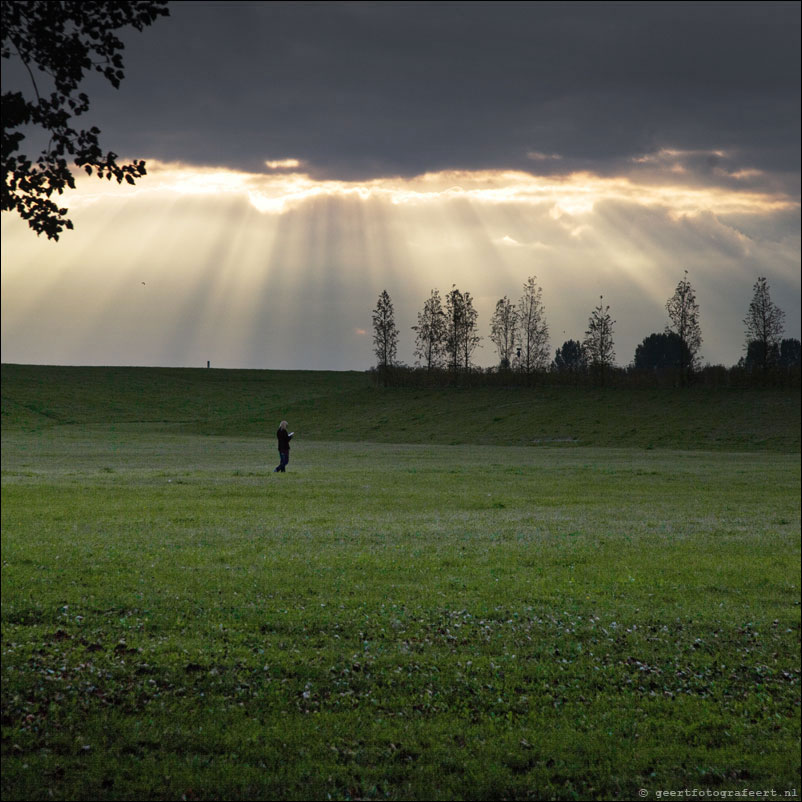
[280,270]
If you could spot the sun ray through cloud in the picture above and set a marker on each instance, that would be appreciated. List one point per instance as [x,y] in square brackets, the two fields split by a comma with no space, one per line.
[241,256]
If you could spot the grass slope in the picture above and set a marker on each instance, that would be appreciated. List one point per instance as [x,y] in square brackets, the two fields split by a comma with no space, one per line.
[393,620]
[345,406]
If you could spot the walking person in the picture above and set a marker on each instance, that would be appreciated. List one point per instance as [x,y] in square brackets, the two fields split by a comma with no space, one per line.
[283,447]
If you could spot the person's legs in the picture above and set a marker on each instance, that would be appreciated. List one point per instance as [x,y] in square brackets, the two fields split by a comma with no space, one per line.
[285,458]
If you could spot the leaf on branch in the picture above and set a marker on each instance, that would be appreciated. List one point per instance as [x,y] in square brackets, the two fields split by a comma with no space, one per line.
[60,40]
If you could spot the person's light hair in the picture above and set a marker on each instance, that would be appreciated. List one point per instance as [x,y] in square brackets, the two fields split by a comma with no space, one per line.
[282,425]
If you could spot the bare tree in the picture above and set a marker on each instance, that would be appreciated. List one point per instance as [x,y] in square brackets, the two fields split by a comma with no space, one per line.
[764,326]
[504,330]
[683,314]
[533,331]
[598,342]
[461,338]
[470,338]
[454,323]
[385,332]
[430,333]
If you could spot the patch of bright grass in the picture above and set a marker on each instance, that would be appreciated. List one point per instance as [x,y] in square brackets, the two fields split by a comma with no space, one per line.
[394,621]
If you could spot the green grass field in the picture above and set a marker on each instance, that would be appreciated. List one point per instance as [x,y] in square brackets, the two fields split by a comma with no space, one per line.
[514,594]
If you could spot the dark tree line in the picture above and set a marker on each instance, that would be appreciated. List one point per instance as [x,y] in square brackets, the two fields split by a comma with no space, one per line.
[446,336]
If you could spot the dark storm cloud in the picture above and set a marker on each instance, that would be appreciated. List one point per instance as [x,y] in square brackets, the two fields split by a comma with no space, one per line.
[367,89]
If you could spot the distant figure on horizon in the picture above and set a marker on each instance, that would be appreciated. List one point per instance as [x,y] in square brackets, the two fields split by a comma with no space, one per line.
[283,447]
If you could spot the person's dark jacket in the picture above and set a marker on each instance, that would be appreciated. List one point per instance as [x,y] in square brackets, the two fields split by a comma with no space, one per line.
[283,440]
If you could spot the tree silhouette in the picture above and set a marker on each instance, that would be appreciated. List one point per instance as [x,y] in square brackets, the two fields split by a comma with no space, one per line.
[470,338]
[760,356]
[461,337]
[504,330]
[598,340]
[571,357]
[385,332]
[660,352]
[430,333]
[790,352]
[533,331]
[683,314]
[57,42]
[764,323]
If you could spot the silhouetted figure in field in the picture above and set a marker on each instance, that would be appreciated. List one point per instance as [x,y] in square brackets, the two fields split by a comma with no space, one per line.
[284,438]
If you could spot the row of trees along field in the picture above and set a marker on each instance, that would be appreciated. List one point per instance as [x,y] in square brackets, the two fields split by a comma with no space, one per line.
[446,337]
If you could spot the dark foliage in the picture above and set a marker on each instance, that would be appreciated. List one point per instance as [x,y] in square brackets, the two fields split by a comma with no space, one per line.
[58,43]
[664,351]
[772,359]
[790,352]
[615,377]
[571,357]
[761,355]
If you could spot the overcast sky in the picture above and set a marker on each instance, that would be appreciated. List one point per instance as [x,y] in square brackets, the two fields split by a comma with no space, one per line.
[603,147]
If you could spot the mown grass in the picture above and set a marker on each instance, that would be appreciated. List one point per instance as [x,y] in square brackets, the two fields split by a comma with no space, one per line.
[347,407]
[397,621]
